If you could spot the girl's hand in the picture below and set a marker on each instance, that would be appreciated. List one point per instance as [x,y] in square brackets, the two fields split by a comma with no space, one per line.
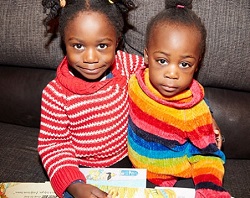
[82,190]
[218,137]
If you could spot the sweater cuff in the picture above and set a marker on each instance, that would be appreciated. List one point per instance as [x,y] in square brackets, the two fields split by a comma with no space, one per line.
[64,177]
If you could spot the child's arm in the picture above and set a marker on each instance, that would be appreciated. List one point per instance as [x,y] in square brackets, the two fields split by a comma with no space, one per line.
[131,62]
[218,137]
[54,143]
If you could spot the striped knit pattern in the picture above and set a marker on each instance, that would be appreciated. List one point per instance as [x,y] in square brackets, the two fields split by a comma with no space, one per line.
[173,137]
[84,123]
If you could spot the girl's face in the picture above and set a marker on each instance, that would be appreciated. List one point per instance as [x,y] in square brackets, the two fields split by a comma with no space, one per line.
[90,42]
[172,55]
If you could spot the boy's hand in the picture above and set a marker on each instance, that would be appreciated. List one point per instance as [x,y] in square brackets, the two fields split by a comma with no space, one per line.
[218,137]
[82,190]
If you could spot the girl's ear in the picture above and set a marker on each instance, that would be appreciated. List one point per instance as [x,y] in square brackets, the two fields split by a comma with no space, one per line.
[118,42]
[146,56]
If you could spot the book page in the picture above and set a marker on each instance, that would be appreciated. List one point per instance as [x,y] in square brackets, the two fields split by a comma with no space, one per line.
[129,177]
[26,190]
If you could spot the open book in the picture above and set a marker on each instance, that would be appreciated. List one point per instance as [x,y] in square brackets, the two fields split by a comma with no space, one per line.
[44,190]
[120,183]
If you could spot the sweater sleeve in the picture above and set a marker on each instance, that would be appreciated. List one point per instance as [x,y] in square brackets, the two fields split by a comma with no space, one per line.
[54,142]
[137,62]
[131,62]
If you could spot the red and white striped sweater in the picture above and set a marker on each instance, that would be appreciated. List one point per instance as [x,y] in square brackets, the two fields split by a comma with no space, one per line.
[84,123]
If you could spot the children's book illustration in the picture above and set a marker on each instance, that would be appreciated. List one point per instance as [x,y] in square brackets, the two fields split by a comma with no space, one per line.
[129,192]
[116,177]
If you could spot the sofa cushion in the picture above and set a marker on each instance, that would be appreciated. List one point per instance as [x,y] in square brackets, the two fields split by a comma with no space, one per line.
[21,92]
[227,62]
[22,36]
[233,119]
[19,158]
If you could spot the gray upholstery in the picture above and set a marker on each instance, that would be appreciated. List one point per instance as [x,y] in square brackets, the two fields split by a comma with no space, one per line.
[19,160]
[26,66]
[22,36]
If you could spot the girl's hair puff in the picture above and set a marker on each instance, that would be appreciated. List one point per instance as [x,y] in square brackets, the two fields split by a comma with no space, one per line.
[178,12]
[115,10]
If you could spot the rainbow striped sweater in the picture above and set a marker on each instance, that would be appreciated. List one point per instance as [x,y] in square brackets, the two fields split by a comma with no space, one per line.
[173,137]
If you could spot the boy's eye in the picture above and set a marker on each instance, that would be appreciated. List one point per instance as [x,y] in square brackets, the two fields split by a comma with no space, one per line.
[162,61]
[78,46]
[102,46]
[185,65]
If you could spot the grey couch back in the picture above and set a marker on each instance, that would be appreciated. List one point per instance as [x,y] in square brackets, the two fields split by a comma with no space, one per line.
[22,36]
[226,64]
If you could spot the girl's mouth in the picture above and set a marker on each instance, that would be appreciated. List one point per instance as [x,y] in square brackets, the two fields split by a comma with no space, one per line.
[90,70]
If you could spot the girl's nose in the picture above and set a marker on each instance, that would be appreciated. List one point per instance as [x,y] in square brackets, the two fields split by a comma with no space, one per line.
[90,56]
[171,71]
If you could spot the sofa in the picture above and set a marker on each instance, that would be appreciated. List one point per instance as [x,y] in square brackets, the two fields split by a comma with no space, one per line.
[28,63]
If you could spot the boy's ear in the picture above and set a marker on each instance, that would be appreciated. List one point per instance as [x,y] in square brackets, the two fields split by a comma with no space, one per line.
[199,63]
[118,43]
[197,67]
[146,56]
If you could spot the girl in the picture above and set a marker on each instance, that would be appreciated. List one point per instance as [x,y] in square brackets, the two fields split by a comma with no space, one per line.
[170,126]
[84,109]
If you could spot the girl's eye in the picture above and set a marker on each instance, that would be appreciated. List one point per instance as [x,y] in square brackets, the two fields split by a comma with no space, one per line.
[162,61]
[78,46]
[185,65]
[102,46]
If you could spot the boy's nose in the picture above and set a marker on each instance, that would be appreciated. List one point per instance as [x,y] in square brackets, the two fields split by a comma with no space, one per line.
[171,71]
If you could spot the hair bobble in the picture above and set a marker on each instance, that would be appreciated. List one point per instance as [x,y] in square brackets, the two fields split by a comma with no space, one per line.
[62,3]
[180,6]
[123,5]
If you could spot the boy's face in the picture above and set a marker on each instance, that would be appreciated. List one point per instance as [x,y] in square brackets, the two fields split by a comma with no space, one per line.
[172,55]
[90,42]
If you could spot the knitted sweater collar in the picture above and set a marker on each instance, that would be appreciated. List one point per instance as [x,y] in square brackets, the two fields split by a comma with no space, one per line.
[186,99]
[79,86]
